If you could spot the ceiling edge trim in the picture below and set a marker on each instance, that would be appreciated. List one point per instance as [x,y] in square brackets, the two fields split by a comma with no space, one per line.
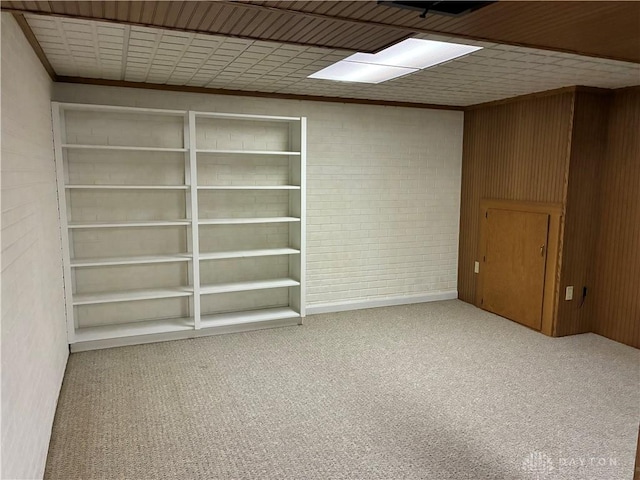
[33,41]
[244,93]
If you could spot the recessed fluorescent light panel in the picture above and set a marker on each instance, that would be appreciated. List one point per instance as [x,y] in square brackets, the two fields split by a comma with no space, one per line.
[400,59]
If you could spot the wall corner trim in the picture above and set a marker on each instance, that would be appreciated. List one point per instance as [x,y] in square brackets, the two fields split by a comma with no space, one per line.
[380,302]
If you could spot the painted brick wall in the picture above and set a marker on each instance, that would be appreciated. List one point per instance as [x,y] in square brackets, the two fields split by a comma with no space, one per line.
[34,349]
[383,188]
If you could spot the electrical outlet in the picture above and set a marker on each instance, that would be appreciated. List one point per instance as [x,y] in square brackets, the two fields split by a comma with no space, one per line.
[476,267]
[569,293]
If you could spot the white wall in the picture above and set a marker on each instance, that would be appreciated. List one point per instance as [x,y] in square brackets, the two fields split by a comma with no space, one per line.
[34,349]
[383,190]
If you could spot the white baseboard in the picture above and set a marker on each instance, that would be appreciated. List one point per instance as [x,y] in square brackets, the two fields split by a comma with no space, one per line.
[186,335]
[380,302]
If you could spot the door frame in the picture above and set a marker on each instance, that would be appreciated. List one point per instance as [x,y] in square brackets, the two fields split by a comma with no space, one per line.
[552,266]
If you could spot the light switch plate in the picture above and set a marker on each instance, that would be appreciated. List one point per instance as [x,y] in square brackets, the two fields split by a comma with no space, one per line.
[476,267]
[569,293]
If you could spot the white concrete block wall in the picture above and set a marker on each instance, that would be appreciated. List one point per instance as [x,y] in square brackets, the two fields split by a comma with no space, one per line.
[117,242]
[89,128]
[34,345]
[222,238]
[383,188]
[244,269]
[125,168]
[238,170]
[252,300]
[243,204]
[214,133]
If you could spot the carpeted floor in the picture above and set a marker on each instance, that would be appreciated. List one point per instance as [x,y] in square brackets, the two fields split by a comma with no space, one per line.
[429,391]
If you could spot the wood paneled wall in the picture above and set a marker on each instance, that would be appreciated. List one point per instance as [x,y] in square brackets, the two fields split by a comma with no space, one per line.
[580,148]
[617,280]
[511,151]
[588,149]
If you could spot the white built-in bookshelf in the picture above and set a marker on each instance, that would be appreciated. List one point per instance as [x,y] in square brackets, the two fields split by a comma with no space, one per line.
[178,223]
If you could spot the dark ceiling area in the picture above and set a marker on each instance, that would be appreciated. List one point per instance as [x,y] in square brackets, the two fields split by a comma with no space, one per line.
[600,29]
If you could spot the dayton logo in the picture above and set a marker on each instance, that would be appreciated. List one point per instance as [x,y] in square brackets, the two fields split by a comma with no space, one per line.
[538,464]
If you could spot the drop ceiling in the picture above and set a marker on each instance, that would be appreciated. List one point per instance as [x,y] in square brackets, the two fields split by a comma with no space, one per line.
[108,50]
[608,29]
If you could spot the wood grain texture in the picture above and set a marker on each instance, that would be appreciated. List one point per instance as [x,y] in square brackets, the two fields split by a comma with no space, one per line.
[512,151]
[601,29]
[588,148]
[607,29]
[617,283]
[513,265]
[580,149]
[554,212]
[240,20]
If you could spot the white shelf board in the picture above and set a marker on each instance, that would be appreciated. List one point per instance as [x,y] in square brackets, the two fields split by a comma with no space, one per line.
[248,187]
[243,116]
[150,327]
[134,260]
[127,187]
[122,147]
[233,221]
[236,318]
[245,286]
[131,295]
[113,108]
[248,152]
[248,253]
[131,223]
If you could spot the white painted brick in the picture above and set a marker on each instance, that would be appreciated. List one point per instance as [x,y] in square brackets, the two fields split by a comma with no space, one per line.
[34,344]
[383,187]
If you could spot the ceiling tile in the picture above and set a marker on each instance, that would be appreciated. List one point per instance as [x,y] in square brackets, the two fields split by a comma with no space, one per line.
[86,48]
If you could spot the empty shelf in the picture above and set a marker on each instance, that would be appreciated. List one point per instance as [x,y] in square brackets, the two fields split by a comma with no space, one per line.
[245,286]
[128,187]
[106,261]
[248,187]
[131,223]
[248,253]
[104,332]
[235,318]
[231,221]
[131,295]
[122,147]
[247,152]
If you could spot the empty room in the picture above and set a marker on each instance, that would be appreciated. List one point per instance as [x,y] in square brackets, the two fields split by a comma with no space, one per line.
[320,240]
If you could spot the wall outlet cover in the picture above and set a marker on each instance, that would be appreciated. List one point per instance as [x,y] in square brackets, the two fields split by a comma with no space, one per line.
[569,293]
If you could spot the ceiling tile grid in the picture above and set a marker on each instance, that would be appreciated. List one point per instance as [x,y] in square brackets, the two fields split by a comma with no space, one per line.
[81,48]
[86,48]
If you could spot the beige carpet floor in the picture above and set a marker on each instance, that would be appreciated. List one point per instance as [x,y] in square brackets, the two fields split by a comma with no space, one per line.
[429,391]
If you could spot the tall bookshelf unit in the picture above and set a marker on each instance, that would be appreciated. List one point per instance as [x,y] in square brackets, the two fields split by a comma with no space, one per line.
[177,224]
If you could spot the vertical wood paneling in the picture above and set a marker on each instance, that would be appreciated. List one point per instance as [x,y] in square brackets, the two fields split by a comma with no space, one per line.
[580,149]
[617,284]
[512,151]
[588,149]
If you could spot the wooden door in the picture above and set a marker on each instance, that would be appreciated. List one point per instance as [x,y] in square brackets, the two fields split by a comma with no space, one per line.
[514,265]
